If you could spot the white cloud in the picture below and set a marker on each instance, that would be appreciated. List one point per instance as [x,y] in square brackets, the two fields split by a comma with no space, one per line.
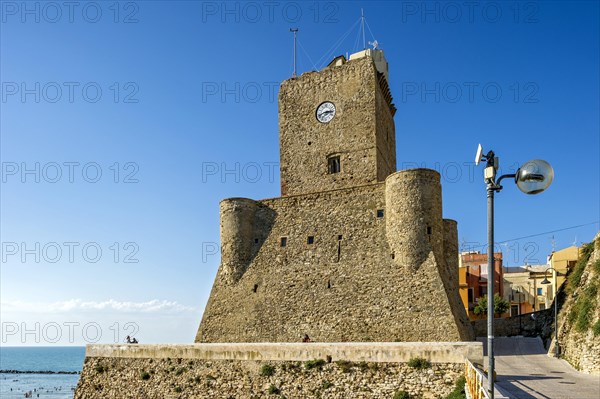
[110,305]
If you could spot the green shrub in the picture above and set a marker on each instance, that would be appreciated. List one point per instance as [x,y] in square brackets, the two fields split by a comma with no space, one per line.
[273,390]
[459,389]
[596,266]
[401,395]
[345,365]
[327,384]
[315,364]
[596,328]
[180,371]
[419,363]
[584,306]
[501,305]
[178,389]
[584,303]
[292,367]
[267,370]
[363,366]
[574,277]
[194,380]
[144,375]
[100,368]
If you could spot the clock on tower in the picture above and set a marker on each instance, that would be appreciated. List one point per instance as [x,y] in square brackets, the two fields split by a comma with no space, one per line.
[336,126]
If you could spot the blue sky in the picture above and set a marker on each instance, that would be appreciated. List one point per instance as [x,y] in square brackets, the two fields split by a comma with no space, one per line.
[136,118]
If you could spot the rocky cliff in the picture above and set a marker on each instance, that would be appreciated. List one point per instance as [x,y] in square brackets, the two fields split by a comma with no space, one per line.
[579,318]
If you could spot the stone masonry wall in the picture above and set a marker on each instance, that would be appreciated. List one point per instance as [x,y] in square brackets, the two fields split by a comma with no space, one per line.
[355,282]
[361,133]
[113,378]
[528,325]
[353,370]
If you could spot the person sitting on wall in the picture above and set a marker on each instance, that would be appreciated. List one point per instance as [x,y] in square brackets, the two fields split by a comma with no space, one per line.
[130,340]
[306,338]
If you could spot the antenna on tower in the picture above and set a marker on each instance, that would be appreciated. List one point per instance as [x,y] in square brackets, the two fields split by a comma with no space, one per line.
[375,44]
[295,30]
[362,20]
[553,242]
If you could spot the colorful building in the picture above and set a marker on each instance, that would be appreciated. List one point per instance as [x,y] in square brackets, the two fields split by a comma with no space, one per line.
[523,288]
[473,278]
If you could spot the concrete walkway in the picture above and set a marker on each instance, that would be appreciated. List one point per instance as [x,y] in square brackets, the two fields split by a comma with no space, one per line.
[525,371]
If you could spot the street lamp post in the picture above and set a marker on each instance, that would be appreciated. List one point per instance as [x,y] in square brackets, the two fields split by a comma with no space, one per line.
[545,281]
[531,178]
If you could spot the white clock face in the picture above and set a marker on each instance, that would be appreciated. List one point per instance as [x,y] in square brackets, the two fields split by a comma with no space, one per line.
[325,112]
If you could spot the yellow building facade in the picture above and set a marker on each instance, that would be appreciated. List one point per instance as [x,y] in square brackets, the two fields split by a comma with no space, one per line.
[523,286]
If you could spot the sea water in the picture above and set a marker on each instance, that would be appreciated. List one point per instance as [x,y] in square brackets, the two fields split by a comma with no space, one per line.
[40,361]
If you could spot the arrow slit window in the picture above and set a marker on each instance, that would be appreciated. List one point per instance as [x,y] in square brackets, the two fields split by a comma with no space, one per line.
[333,164]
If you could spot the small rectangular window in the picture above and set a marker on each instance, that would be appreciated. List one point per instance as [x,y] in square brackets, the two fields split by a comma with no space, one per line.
[283,241]
[482,291]
[333,165]
[428,229]
[256,240]
[379,213]
[340,237]
[539,291]
[514,310]
[311,240]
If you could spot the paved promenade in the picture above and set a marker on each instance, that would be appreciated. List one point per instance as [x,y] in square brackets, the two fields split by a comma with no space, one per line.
[525,371]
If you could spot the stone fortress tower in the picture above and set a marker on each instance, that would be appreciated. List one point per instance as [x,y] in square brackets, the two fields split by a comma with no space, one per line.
[352,250]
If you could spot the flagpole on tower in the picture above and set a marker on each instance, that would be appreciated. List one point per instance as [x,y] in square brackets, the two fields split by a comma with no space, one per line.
[362,18]
[295,30]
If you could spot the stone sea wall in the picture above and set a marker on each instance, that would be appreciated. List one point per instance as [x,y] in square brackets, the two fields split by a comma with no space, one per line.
[109,378]
[222,371]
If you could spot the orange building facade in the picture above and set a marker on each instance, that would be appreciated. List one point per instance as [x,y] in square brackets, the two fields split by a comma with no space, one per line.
[473,278]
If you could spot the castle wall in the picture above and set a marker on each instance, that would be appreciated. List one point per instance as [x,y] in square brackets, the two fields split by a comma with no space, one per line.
[237,370]
[364,278]
[450,277]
